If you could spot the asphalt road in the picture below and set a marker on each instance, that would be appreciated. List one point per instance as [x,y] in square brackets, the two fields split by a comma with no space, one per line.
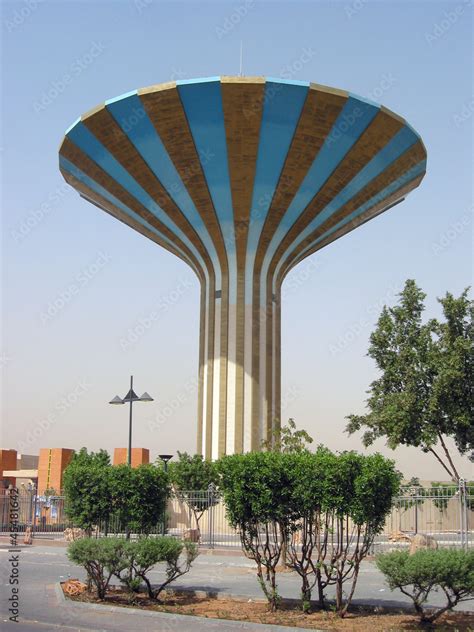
[42,608]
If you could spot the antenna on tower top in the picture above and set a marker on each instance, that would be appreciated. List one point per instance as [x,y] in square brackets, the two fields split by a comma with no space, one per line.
[241,51]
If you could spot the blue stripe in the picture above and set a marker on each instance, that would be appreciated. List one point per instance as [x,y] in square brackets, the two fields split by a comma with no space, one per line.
[399,183]
[96,188]
[399,144]
[202,103]
[351,123]
[89,144]
[282,109]
[131,116]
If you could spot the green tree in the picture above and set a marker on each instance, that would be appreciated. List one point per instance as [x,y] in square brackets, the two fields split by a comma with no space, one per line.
[338,504]
[84,457]
[86,487]
[138,496]
[328,507]
[119,496]
[424,393]
[256,492]
[287,438]
[193,479]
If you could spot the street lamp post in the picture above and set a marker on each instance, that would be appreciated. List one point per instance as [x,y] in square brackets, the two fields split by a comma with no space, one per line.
[130,397]
[165,458]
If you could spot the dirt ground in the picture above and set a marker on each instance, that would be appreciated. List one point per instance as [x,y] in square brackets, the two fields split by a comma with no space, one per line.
[358,620]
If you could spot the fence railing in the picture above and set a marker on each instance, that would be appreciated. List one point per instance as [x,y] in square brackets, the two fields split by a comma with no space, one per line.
[445,512]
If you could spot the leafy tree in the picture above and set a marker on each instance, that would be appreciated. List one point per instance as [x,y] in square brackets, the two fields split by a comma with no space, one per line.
[193,479]
[424,393]
[338,504]
[84,457]
[99,494]
[327,506]
[138,496]
[287,438]
[86,488]
[256,492]
[416,575]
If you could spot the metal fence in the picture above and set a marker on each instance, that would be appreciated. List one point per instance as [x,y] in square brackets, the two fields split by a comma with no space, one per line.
[445,512]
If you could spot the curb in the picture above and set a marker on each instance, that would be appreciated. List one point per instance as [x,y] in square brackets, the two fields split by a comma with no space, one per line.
[208,622]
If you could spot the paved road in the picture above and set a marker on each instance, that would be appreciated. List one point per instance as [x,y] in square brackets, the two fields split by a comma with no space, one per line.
[42,608]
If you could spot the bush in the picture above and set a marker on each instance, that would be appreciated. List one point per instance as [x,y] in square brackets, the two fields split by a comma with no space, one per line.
[86,487]
[145,553]
[448,570]
[338,504]
[130,562]
[256,490]
[138,496]
[326,507]
[101,559]
[98,494]
[194,474]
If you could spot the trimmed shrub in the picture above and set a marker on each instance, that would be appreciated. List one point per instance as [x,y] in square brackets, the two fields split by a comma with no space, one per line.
[326,507]
[131,562]
[338,504]
[448,570]
[256,491]
[141,556]
[101,559]
[194,474]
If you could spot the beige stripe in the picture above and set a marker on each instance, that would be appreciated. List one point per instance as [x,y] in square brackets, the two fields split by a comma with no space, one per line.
[104,127]
[242,104]
[378,133]
[164,108]
[72,153]
[362,219]
[414,155]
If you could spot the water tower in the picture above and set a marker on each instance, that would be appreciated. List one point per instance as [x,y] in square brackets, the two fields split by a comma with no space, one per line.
[242,178]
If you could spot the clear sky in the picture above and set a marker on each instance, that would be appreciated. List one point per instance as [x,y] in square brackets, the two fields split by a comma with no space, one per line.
[78,286]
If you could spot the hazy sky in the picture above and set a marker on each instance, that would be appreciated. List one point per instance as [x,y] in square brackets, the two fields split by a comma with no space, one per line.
[78,286]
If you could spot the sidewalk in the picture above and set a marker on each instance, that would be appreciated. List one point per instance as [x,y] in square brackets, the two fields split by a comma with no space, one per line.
[43,607]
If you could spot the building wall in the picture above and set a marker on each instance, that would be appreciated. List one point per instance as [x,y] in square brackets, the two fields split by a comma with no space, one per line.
[140,456]
[7,462]
[51,465]
[27,462]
